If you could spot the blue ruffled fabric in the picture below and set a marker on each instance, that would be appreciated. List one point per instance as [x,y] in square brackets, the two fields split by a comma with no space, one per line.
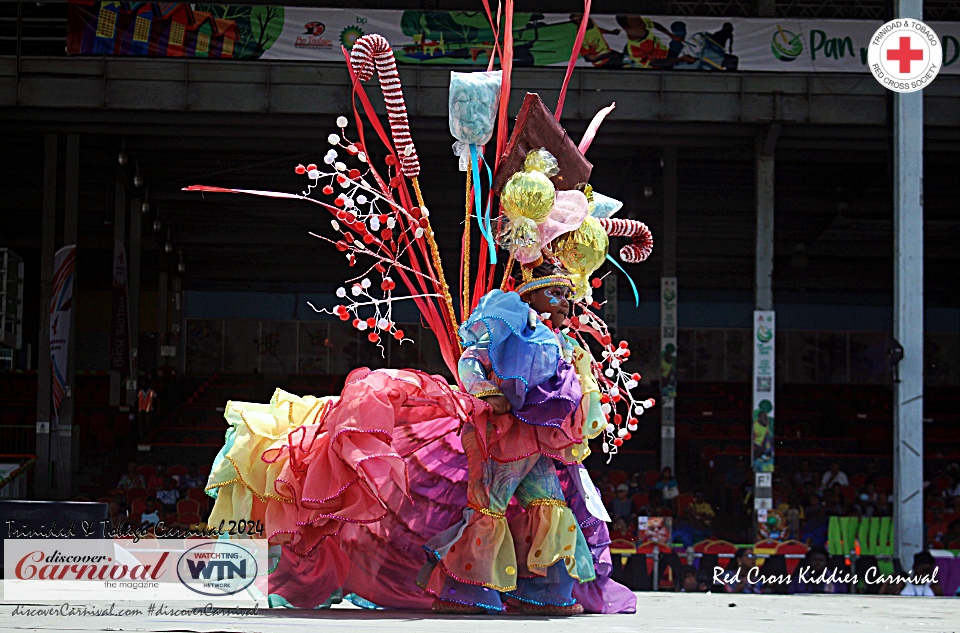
[521,356]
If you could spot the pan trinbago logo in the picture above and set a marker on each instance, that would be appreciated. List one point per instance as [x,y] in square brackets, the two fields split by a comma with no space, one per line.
[311,37]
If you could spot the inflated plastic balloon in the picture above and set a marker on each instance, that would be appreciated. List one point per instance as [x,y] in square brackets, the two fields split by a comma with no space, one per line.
[582,252]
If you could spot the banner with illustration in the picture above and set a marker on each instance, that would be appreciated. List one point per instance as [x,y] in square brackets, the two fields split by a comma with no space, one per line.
[165,29]
[61,320]
[764,365]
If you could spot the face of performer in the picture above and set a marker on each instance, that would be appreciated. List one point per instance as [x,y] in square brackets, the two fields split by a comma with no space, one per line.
[554,300]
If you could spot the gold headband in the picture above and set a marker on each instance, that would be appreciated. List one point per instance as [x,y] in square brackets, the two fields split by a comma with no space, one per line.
[545,282]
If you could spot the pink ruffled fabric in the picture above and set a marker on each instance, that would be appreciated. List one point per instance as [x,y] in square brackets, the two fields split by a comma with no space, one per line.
[349,468]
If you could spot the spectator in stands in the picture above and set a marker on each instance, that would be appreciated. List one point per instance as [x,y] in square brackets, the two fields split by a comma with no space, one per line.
[702,511]
[804,476]
[146,408]
[937,526]
[812,575]
[691,581]
[734,481]
[667,485]
[922,582]
[834,476]
[883,508]
[621,530]
[635,484]
[622,504]
[833,501]
[656,507]
[156,479]
[604,484]
[151,514]
[117,516]
[738,578]
[815,522]
[865,506]
[169,495]
[131,478]
[192,479]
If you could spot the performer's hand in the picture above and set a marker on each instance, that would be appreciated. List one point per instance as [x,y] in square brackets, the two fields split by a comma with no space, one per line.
[499,404]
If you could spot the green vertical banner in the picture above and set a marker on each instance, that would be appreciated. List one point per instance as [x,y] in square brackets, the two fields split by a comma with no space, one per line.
[764,364]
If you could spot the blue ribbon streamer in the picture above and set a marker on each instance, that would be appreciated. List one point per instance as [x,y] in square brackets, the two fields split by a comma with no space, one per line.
[633,286]
[483,218]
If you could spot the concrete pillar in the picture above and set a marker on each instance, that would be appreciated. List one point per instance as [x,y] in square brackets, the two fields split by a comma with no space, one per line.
[763,288]
[134,294]
[119,233]
[908,314]
[765,204]
[163,299]
[67,451]
[668,331]
[44,469]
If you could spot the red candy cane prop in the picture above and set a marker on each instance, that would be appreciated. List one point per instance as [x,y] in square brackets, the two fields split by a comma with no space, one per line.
[639,247]
[375,49]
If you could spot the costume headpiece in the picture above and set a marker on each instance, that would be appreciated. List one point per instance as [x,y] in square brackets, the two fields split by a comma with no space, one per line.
[544,282]
[549,211]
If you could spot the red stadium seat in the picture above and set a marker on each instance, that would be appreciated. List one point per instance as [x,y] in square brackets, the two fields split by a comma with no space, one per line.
[188,505]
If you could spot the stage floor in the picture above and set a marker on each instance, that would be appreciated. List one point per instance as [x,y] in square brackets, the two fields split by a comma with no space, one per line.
[714,613]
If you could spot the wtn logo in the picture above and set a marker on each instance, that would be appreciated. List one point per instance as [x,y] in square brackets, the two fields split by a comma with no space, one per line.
[223,568]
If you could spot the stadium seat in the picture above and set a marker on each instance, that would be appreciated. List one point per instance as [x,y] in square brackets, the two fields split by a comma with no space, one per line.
[177,470]
[640,499]
[650,478]
[188,505]
[135,493]
[617,477]
[682,501]
[138,505]
[146,470]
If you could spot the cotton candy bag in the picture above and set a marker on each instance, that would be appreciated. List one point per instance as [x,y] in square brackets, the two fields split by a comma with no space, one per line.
[473,105]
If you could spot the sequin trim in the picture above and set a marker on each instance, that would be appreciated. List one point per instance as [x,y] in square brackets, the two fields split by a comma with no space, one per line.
[559,503]
[488,392]
[486,511]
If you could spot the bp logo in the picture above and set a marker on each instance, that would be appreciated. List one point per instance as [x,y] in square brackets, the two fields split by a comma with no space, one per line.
[786,45]
[764,334]
[350,35]
[217,568]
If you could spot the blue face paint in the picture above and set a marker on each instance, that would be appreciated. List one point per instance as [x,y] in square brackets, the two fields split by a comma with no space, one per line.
[554,302]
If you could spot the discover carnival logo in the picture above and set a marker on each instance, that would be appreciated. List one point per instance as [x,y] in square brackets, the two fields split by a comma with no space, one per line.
[905,55]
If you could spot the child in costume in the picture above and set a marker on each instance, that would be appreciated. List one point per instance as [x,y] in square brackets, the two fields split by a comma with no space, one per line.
[516,359]
[351,489]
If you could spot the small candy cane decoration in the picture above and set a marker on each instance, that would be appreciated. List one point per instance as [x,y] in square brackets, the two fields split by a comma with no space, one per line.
[374,48]
[639,247]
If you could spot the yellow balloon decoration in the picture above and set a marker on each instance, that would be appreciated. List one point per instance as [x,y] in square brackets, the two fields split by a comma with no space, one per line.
[582,252]
[528,194]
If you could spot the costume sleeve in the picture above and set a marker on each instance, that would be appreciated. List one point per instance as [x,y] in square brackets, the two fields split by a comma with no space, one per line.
[474,368]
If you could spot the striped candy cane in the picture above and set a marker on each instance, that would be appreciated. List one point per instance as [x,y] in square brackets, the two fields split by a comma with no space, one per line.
[641,244]
[375,49]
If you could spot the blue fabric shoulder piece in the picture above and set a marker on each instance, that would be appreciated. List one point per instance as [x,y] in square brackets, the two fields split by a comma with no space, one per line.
[521,356]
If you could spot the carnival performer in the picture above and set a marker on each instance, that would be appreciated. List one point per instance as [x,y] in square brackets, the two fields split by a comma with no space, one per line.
[485,475]
[518,362]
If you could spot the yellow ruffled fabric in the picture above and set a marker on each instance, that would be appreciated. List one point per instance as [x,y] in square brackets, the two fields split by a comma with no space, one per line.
[242,480]
[546,535]
[484,554]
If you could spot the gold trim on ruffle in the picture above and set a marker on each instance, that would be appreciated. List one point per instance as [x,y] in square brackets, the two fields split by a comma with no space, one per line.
[487,393]
[239,477]
[559,503]
[486,511]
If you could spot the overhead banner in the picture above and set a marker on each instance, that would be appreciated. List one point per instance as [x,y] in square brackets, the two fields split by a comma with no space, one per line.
[120,314]
[61,320]
[764,366]
[166,29]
